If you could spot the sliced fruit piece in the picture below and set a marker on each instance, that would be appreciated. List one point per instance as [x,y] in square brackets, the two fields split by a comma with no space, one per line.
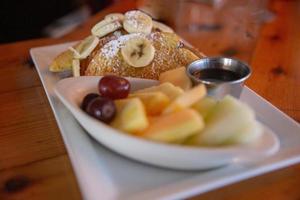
[174,127]
[85,47]
[167,88]
[105,27]
[131,116]
[227,119]
[187,99]
[249,133]
[162,27]
[136,21]
[76,67]
[205,106]
[154,102]
[138,52]
[177,77]
[152,118]
[62,62]
[115,16]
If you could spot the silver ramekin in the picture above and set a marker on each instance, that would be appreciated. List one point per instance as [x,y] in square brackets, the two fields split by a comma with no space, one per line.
[220,88]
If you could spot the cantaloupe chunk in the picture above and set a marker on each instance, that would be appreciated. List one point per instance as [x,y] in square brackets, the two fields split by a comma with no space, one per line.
[187,99]
[174,127]
[131,115]
[167,88]
[154,102]
[177,77]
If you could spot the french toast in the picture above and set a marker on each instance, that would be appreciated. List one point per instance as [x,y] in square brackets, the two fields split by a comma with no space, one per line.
[137,53]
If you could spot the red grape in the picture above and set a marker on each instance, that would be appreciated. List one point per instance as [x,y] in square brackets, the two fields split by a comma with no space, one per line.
[102,108]
[114,87]
[86,100]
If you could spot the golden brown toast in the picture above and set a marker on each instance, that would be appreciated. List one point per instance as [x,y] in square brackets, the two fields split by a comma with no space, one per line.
[169,54]
[106,57]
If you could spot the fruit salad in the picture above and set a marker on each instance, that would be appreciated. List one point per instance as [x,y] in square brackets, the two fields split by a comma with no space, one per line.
[172,112]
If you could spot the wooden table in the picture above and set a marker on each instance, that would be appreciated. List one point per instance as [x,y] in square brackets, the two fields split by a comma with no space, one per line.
[34,163]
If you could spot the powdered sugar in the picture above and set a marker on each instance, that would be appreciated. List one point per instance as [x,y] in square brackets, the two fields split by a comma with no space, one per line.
[131,17]
[137,22]
[132,13]
[117,33]
[111,49]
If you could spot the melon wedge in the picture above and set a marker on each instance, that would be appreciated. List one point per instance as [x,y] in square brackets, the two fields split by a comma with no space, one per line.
[228,119]
[175,127]
[154,102]
[249,133]
[177,77]
[131,116]
[167,88]
[205,106]
[187,99]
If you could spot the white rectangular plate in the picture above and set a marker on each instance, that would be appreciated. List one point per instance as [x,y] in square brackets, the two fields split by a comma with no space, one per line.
[103,174]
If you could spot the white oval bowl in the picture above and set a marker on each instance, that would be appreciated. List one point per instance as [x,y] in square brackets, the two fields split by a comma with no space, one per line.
[71,92]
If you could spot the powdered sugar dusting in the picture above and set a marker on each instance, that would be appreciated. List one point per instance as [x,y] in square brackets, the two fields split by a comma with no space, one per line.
[132,13]
[136,21]
[111,49]
[155,36]
[117,33]
[167,56]
[132,18]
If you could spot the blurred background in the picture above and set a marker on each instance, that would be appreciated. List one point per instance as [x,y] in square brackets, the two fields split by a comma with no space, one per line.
[209,24]
[26,19]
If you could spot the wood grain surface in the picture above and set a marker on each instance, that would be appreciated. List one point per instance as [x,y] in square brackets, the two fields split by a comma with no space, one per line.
[33,160]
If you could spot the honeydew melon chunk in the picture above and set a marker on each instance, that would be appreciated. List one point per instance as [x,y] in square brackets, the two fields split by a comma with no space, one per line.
[167,88]
[174,127]
[154,102]
[227,119]
[249,133]
[131,116]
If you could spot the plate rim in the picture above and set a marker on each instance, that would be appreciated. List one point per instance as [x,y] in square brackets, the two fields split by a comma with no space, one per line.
[184,191]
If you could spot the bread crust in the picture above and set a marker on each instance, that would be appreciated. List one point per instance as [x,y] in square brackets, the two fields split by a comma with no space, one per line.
[170,53]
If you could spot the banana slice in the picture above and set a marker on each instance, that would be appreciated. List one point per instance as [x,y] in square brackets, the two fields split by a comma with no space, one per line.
[109,19]
[85,47]
[76,67]
[105,27]
[136,21]
[115,17]
[138,52]
[162,27]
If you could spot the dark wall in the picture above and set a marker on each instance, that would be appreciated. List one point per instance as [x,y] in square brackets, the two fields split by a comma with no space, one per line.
[24,19]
